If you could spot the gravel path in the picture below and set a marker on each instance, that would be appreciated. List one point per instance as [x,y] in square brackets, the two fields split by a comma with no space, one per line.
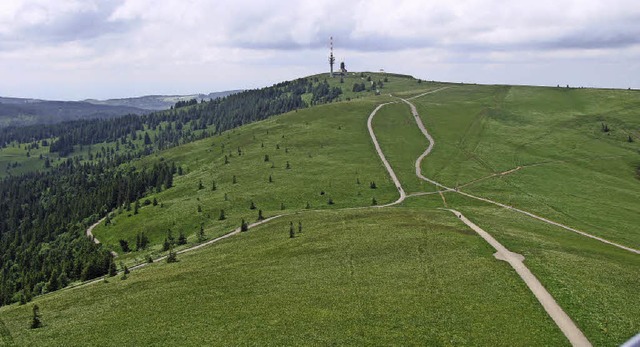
[95,240]
[403,195]
[564,322]
[548,221]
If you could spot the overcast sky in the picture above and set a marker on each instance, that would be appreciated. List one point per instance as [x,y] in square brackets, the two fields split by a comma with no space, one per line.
[76,49]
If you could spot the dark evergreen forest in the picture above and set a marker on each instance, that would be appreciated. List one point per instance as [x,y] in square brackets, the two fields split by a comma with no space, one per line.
[43,215]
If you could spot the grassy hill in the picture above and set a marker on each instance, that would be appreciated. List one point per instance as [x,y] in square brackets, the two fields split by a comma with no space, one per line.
[409,274]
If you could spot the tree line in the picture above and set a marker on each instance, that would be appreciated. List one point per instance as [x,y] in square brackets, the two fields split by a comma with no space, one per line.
[43,217]
[44,214]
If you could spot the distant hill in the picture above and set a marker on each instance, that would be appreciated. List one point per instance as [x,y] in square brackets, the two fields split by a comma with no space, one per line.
[20,112]
[26,111]
[159,102]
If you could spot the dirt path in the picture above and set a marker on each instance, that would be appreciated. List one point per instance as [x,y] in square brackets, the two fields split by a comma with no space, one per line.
[394,178]
[548,221]
[564,322]
[95,240]
[490,176]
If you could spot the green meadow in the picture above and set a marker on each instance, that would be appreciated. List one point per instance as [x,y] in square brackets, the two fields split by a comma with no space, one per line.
[411,274]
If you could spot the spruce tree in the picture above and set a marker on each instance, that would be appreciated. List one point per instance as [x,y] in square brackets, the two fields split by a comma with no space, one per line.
[260,216]
[266,157]
[172,257]
[374,201]
[222,216]
[200,186]
[112,268]
[182,239]
[270,179]
[234,180]
[201,233]
[288,165]
[299,226]
[292,233]
[36,322]
[213,186]
[244,226]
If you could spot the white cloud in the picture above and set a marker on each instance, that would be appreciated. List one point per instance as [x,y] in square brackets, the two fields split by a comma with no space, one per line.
[112,47]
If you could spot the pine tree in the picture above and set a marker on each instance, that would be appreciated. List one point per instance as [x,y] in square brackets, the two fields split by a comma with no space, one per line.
[288,165]
[222,216]
[36,322]
[299,227]
[234,180]
[136,207]
[201,233]
[213,186]
[292,233]
[266,157]
[282,206]
[182,239]
[244,226]
[200,186]
[372,185]
[112,268]
[252,206]
[260,216]
[374,201]
[226,159]
[308,205]
[172,257]
[270,179]
[330,202]
[155,202]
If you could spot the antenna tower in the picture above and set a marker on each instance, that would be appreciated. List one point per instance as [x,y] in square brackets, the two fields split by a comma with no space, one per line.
[332,59]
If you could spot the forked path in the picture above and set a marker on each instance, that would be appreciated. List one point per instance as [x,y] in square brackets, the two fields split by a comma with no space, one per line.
[562,320]
[432,142]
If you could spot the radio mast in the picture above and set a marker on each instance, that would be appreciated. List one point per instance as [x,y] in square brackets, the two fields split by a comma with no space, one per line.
[332,59]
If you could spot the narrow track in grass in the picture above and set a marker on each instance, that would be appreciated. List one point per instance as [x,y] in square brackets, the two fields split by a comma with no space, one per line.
[418,166]
[92,237]
[562,320]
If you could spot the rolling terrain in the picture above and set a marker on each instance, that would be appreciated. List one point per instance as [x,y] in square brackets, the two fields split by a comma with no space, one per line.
[357,273]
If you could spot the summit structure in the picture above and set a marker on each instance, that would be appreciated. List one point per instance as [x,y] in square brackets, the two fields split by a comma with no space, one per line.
[332,59]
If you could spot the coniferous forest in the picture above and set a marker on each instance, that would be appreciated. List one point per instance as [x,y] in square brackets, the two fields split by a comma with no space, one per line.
[44,214]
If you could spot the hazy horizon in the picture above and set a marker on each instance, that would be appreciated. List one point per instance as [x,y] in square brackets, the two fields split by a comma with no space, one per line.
[76,50]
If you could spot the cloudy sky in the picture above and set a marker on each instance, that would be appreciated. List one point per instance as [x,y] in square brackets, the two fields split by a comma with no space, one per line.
[76,49]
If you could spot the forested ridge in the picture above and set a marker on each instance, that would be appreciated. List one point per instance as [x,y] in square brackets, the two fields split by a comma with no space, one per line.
[43,217]
[176,126]
[44,214]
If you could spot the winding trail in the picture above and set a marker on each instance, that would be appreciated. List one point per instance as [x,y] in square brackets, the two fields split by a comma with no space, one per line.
[548,221]
[94,239]
[403,195]
[562,320]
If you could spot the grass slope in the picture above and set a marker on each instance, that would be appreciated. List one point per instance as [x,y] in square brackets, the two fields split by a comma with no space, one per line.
[571,172]
[345,280]
[328,149]
[410,274]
